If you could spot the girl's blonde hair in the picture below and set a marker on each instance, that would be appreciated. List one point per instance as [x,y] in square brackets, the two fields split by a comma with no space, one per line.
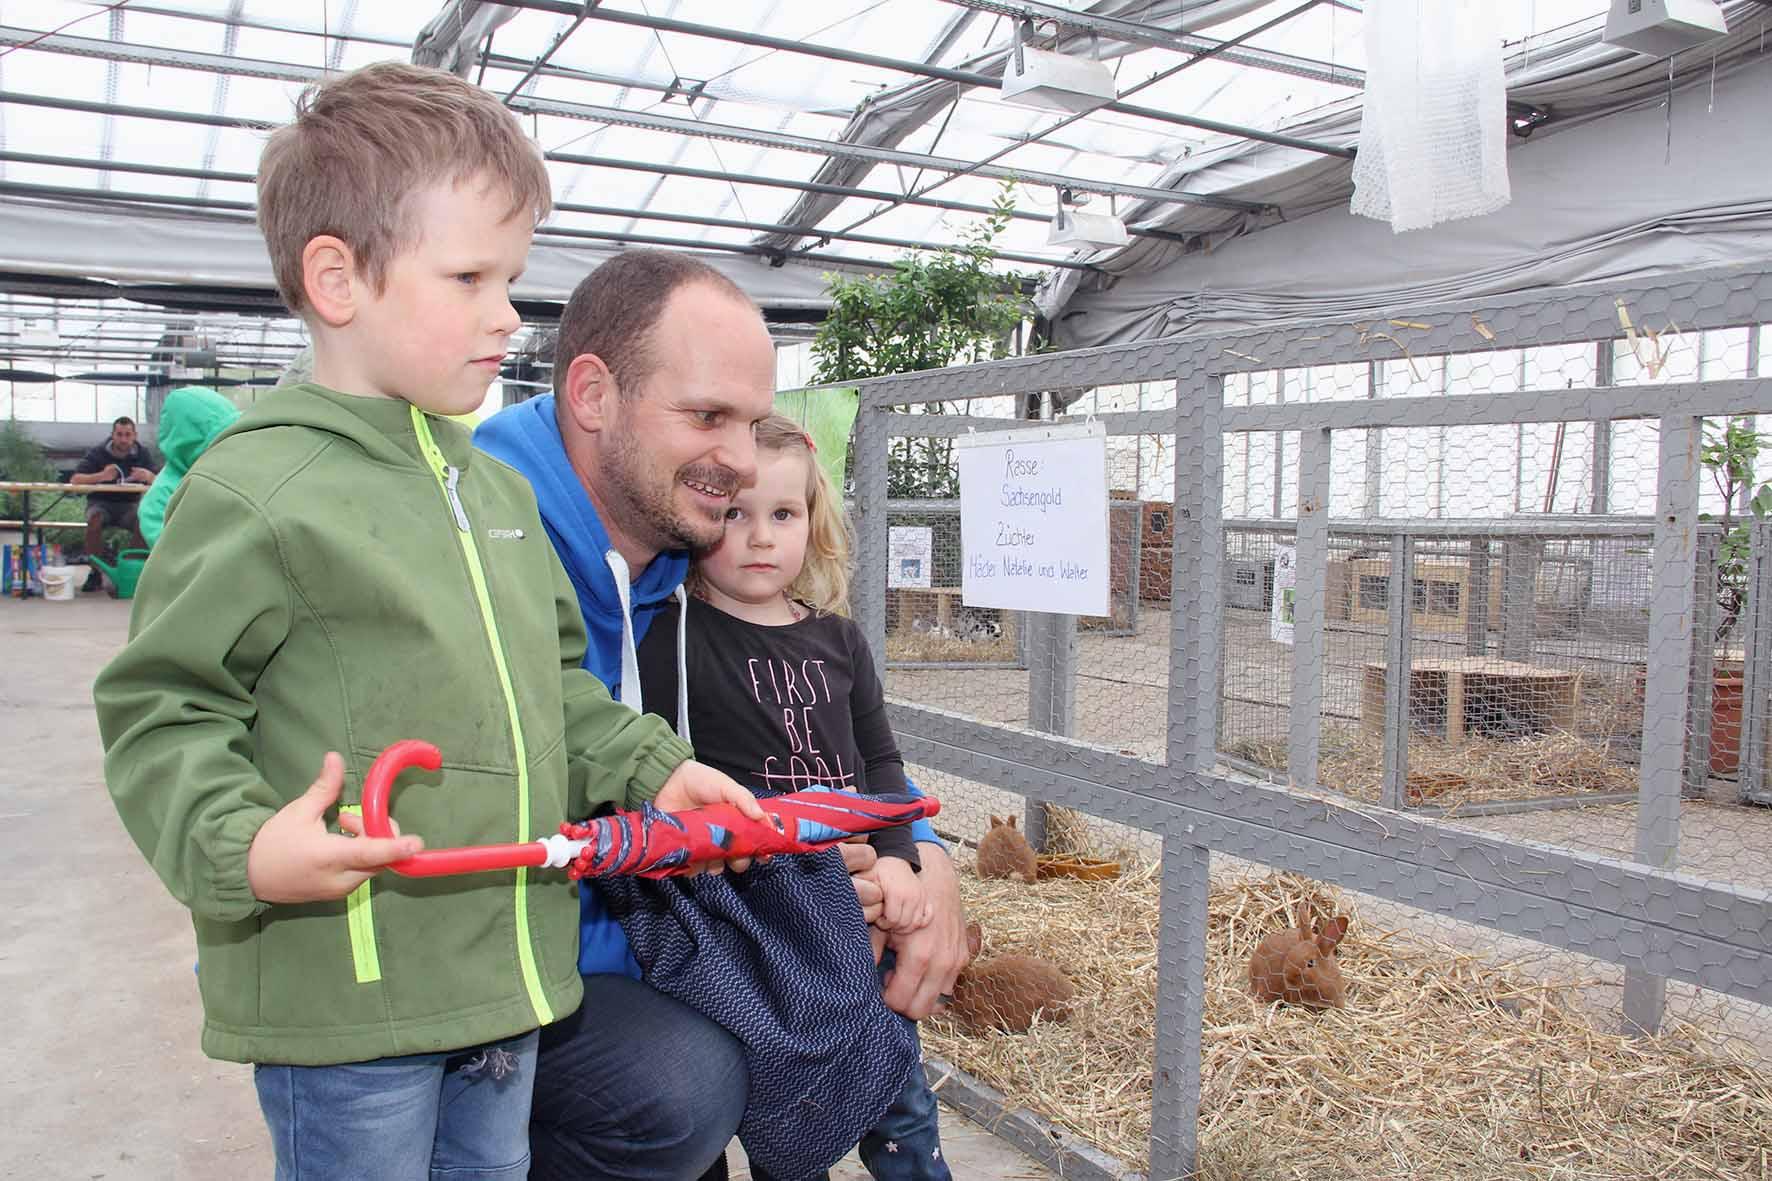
[823,582]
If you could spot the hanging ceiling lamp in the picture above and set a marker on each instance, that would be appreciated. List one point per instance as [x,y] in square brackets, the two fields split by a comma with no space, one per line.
[1091,231]
[1661,28]
[1054,81]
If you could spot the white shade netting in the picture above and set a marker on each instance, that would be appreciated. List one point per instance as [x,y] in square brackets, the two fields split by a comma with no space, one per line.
[1434,132]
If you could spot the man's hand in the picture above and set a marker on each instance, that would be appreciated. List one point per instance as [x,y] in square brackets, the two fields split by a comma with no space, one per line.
[139,475]
[694,784]
[109,474]
[294,858]
[930,957]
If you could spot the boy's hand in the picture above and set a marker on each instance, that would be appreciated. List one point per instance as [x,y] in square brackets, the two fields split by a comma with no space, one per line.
[693,784]
[140,475]
[907,904]
[295,859]
[858,855]
[859,859]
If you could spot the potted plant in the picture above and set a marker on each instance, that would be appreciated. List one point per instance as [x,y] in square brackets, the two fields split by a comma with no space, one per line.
[1728,453]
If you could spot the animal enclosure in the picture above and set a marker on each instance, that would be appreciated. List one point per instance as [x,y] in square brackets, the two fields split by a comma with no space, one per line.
[1440,649]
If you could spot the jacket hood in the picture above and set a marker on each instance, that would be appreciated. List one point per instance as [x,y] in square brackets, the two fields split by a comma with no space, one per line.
[380,427]
[527,437]
[191,417]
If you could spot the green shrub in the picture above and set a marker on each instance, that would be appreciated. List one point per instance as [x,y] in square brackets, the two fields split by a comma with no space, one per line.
[22,459]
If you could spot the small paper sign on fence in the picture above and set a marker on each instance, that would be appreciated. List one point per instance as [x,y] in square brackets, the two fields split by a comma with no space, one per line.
[910,551]
[1285,594]
[1034,519]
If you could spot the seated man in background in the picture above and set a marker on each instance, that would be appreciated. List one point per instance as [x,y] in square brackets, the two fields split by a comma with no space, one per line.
[120,459]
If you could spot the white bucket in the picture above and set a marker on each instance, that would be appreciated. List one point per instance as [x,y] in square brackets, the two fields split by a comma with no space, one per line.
[58,582]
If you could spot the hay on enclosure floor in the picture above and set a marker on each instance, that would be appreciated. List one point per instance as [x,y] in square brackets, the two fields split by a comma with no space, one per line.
[915,647]
[1071,832]
[1476,770]
[1443,1065]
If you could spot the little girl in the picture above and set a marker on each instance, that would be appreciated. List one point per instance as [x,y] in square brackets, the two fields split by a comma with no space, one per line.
[783,695]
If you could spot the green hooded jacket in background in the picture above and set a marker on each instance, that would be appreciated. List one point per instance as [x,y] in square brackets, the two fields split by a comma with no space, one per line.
[189,422]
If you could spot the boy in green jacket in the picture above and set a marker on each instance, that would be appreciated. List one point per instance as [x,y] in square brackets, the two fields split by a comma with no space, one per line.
[340,570]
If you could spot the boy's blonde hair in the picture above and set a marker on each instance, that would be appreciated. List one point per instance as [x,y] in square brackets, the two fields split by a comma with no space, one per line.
[823,583]
[362,144]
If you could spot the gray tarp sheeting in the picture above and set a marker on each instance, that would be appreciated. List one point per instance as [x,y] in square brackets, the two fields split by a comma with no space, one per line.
[1596,194]
[137,245]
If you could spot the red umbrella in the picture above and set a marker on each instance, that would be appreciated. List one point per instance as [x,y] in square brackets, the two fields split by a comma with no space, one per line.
[647,843]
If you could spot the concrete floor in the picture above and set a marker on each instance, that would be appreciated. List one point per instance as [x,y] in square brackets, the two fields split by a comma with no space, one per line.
[104,1077]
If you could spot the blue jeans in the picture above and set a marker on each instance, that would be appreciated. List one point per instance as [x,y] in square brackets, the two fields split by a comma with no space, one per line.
[426,1117]
[633,1085]
[906,1144]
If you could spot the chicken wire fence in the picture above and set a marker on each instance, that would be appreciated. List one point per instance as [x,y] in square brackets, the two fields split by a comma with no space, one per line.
[1527,650]
[1440,645]
[927,624]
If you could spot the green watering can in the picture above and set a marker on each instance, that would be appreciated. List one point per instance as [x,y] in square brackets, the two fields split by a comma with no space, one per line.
[123,572]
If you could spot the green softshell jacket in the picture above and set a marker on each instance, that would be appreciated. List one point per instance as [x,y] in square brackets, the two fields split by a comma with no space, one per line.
[190,419]
[332,579]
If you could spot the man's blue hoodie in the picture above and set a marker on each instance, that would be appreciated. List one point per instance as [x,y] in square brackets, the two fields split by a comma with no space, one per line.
[527,437]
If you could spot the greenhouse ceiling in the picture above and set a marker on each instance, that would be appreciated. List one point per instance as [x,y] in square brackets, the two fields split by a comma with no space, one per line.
[785,138]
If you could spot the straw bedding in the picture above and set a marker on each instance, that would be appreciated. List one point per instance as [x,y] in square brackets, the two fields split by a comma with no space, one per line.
[1476,770]
[1443,1065]
[914,647]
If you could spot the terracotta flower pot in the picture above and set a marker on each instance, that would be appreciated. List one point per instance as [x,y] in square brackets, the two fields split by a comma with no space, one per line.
[1725,714]
[1725,723]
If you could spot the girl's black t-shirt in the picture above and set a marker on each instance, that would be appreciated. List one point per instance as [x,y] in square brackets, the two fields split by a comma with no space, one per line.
[780,708]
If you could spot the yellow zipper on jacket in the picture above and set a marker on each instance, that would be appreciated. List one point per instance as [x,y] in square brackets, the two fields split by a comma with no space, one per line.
[447,476]
[365,960]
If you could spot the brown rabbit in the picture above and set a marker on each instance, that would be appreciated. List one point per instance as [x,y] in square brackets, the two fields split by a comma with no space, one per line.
[1298,966]
[1007,991]
[1005,853]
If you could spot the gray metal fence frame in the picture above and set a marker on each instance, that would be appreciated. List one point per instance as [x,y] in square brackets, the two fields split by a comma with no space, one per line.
[1642,914]
[1757,666]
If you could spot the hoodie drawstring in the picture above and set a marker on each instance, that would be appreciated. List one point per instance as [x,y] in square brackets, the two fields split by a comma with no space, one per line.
[630,659]
[683,665]
[630,694]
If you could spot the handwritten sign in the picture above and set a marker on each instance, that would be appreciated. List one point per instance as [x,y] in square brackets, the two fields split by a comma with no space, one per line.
[1034,519]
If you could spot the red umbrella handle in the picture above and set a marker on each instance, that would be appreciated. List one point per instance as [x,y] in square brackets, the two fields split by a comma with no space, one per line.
[379,784]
